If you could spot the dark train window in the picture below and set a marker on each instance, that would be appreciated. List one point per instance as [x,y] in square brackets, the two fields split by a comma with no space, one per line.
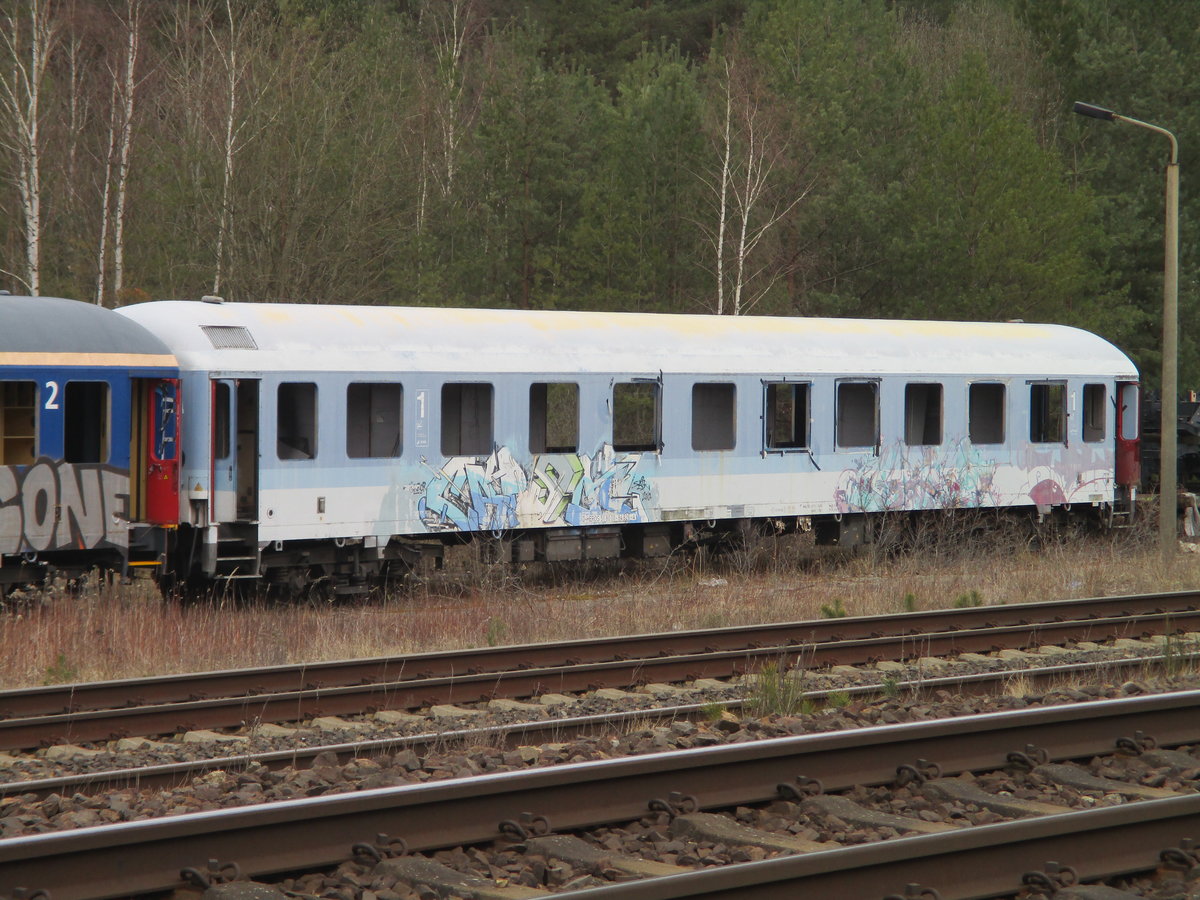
[222,421]
[553,417]
[1048,413]
[1094,404]
[296,420]
[636,415]
[922,414]
[985,413]
[467,419]
[1128,395]
[18,423]
[857,414]
[85,422]
[714,418]
[373,420]
[787,416]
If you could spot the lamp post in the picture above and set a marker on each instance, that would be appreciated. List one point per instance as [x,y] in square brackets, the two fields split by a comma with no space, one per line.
[1168,457]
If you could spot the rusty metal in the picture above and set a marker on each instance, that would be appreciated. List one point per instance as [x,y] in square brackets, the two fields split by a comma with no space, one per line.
[54,699]
[99,725]
[1053,878]
[214,873]
[138,857]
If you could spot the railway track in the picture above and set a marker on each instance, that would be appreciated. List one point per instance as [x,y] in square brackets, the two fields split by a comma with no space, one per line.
[1101,818]
[562,729]
[229,699]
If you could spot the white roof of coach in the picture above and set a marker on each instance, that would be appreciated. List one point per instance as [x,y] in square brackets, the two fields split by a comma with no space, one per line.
[326,338]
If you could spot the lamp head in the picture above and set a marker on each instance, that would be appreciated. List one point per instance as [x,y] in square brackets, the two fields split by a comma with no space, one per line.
[1095,112]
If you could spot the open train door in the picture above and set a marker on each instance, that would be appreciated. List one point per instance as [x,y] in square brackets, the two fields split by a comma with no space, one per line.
[161,457]
[1129,454]
[235,449]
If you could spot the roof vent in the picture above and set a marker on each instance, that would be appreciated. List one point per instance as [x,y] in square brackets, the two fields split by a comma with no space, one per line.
[212,298]
[229,337]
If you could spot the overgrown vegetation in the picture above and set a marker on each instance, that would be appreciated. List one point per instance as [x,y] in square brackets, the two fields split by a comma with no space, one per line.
[970,599]
[110,631]
[834,610]
[900,158]
[779,691]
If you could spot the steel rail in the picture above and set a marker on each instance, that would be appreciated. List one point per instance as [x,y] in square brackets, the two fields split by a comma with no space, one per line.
[512,735]
[970,864]
[139,857]
[169,718]
[51,699]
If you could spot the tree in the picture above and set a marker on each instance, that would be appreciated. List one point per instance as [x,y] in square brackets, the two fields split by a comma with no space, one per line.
[26,43]
[843,85]
[1120,56]
[751,142]
[536,134]
[120,148]
[994,231]
[635,245]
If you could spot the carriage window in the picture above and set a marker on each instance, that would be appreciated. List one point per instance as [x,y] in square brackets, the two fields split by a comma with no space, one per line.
[857,414]
[922,414]
[1094,401]
[985,413]
[636,414]
[787,416]
[1048,413]
[553,417]
[296,421]
[221,421]
[467,419]
[714,423]
[1129,411]
[373,420]
[85,422]
[18,423]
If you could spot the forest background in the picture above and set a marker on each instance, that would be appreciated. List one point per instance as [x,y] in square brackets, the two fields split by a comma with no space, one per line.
[890,158]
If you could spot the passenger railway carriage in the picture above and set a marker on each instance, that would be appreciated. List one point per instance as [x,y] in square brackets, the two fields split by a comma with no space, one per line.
[88,427]
[338,444]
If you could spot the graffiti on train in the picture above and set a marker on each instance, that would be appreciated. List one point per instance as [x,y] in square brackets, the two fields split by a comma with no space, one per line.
[569,489]
[62,506]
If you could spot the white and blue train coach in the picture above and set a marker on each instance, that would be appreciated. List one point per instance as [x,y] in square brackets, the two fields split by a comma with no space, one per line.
[338,443]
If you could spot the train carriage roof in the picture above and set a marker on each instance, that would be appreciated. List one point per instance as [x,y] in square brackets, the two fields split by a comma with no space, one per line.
[48,331]
[250,337]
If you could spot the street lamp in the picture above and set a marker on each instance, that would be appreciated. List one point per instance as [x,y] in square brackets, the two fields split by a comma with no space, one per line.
[1168,458]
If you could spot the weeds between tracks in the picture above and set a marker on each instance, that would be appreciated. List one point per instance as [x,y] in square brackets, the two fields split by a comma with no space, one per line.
[113,631]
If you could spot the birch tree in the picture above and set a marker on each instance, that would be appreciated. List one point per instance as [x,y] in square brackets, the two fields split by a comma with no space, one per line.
[234,75]
[26,43]
[750,196]
[115,189]
[128,86]
[451,28]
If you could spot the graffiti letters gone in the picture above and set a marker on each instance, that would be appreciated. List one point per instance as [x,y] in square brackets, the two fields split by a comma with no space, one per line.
[62,506]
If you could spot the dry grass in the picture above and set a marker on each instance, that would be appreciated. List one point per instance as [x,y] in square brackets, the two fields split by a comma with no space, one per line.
[128,631]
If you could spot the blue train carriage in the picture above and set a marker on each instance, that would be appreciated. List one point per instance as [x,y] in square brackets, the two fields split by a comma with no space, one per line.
[341,443]
[88,440]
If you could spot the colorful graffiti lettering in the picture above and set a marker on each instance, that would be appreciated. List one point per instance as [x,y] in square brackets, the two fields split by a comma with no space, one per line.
[570,489]
[960,476]
[59,506]
[918,478]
